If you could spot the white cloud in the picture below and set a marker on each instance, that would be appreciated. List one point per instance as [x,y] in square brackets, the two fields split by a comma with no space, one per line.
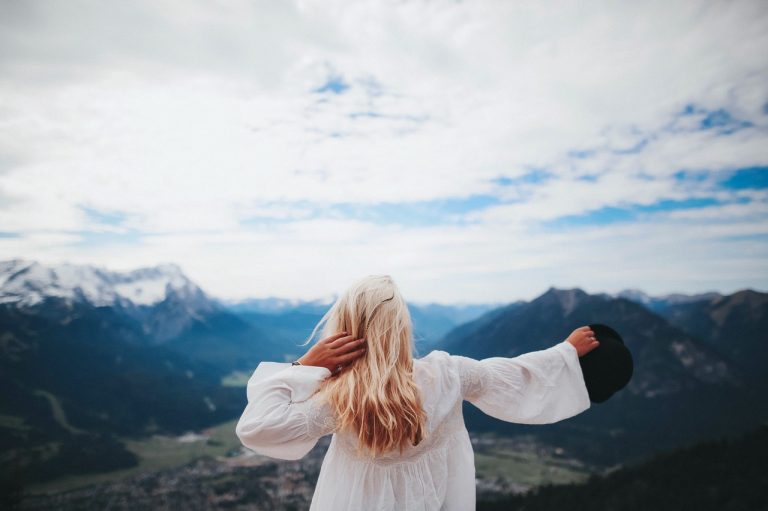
[189,118]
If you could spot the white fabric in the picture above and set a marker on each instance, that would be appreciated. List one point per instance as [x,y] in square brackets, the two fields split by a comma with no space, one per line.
[283,420]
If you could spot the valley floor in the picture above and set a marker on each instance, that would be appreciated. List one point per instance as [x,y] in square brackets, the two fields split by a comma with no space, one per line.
[212,469]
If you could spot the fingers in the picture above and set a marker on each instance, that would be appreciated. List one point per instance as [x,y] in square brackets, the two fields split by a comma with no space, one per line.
[349,346]
[331,338]
[347,357]
[341,341]
[587,334]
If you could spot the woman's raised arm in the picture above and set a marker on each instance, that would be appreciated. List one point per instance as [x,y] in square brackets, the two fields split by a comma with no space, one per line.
[540,387]
[280,419]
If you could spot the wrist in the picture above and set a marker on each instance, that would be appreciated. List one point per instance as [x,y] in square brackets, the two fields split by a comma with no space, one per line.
[576,349]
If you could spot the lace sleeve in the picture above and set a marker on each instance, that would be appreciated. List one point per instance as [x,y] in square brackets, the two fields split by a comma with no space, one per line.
[319,419]
[474,377]
[539,387]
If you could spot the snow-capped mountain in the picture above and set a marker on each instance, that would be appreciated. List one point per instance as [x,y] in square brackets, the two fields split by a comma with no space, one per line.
[27,282]
[660,302]
[156,305]
[161,298]
[277,305]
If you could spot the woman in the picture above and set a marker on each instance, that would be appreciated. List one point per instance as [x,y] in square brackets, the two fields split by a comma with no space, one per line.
[399,440]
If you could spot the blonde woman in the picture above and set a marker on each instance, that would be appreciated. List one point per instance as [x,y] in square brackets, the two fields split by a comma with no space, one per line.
[399,440]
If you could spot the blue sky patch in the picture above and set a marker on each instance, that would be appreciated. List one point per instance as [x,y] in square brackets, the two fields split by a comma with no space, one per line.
[417,213]
[335,85]
[759,237]
[721,120]
[602,216]
[615,214]
[751,177]
[691,176]
[671,205]
[92,238]
[535,176]
[413,214]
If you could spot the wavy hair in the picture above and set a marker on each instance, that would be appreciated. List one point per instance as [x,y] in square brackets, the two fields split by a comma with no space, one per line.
[375,397]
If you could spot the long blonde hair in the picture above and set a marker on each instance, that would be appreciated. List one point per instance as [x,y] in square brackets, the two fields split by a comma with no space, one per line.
[375,397]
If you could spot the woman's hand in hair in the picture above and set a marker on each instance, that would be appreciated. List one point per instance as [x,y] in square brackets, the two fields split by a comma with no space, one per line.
[584,340]
[338,349]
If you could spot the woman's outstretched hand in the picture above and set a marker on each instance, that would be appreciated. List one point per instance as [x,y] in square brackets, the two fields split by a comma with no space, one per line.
[584,340]
[337,350]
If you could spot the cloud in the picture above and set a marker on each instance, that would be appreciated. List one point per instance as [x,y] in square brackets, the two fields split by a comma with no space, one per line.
[467,146]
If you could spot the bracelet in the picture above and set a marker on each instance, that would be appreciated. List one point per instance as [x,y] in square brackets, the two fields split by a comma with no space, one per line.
[296,363]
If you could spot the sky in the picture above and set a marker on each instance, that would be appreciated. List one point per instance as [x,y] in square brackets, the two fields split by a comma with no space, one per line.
[476,151]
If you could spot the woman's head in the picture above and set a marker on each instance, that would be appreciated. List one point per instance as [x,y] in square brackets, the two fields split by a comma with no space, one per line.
[375,396]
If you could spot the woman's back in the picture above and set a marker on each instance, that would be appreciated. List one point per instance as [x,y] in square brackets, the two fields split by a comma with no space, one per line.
[419,477]
[284,419]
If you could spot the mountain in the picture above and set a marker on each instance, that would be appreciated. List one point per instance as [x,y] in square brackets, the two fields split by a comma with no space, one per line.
[294,319]
[735,324]
[667,360]
[74,377]
[161,302]
[88,355]
[431,321]
[725,473]
[682,388]
[161,298]
[660,303]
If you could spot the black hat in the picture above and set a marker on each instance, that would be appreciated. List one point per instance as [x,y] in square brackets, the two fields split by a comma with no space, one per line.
[607,368]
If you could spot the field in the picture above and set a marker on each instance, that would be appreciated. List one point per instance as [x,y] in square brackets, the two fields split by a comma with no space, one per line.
[528,468]
[156,452]
[499,461]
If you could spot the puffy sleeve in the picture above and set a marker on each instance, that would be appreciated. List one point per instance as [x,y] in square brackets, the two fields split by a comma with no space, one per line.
[281,419]
[539,387]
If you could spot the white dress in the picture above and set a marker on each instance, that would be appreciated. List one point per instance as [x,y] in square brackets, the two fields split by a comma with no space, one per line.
[283,420]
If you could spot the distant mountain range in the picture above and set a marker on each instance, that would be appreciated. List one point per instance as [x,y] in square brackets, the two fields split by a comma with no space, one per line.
[161,304]
[735,325]
[683,388]
[295,319]
[87,354]
[667,359]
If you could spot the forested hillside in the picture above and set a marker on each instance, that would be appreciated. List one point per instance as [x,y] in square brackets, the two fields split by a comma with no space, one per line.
[718,475]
